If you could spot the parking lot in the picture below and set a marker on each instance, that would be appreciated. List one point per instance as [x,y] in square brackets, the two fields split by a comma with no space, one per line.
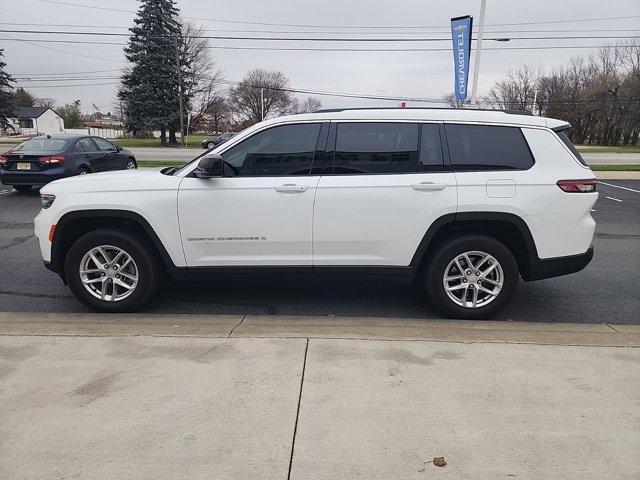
[605,292]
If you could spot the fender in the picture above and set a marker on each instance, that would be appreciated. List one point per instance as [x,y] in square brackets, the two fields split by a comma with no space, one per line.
[452,218]
[58,245]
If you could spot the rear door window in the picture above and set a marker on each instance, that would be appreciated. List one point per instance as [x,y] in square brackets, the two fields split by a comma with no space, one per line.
[376,148]
[487,147]
[104,146]
[86,145]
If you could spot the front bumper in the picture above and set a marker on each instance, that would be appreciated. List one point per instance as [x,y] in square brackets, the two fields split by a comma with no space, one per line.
[555,267]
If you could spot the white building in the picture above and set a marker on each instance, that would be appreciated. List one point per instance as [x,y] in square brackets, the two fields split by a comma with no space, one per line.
[36,121]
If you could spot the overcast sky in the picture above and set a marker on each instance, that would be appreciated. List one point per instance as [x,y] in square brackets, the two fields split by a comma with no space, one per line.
[398,74]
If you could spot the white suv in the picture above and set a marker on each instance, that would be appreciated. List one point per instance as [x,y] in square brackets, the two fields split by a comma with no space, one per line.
[463,202]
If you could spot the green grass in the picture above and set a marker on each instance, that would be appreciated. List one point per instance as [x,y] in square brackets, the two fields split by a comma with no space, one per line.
[599,149]
[158,163]
[615,168]
[194,141]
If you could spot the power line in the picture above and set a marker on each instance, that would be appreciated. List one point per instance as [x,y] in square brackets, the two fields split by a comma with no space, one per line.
[325,32]
[39,44]
[58,2]
[313,39]
[324,49]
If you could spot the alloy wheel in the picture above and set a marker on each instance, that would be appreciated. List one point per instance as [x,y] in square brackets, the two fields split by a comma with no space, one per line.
[109,273]
[473,279]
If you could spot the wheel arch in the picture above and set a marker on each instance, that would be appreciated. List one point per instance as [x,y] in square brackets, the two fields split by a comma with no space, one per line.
[73,225]
[508,228]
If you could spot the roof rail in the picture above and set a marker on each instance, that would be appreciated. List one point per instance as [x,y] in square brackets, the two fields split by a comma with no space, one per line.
[513,112]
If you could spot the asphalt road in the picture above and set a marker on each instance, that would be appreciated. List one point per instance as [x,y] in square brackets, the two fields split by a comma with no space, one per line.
[606,291]
[186,154]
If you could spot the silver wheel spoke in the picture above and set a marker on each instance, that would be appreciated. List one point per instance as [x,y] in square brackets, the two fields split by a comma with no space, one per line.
[488,270]
[475,298]
[493,282]
[93,280]
[456,287]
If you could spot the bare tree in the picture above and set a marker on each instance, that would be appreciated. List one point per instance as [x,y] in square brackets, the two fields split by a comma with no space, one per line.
[453,102]
[45,102]
[261,91]
[517,91]
[310,105]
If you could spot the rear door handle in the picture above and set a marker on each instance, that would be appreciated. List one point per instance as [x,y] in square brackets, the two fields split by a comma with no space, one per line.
[429,186]
[291,188]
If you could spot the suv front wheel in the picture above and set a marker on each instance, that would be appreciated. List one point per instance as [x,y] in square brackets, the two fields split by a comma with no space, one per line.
[111,270]
[472,277]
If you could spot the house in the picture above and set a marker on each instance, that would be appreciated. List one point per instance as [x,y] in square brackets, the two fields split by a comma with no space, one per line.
[36,121]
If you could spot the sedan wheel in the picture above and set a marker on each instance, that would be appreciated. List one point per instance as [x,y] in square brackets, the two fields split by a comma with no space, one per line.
[131,165]
[211,145]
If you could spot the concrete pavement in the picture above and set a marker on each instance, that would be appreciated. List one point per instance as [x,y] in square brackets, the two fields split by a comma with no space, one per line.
[205,396]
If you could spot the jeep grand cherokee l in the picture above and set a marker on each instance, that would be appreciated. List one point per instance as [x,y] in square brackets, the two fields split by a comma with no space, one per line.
[463,202]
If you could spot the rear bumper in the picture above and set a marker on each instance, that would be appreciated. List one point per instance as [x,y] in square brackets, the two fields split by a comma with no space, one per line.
[555,267]
[35,178]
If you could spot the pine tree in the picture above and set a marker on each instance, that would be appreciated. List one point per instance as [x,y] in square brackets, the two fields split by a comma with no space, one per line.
[149,90]
[6,93]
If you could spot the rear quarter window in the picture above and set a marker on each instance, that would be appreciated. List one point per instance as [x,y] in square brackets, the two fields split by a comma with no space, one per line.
[565,139]
[487,147]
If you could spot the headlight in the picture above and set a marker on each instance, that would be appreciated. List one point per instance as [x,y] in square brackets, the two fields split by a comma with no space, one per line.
[47,200]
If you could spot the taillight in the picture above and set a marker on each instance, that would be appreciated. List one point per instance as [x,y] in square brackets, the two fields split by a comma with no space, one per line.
[51,159]
[577,186]
[3,160]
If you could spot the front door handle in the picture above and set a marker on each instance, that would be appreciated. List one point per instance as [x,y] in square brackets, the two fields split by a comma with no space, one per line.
[429,186]
[291,188]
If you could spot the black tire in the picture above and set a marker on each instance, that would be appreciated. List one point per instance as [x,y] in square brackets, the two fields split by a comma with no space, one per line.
[22,188]
[82,171]
[450,249]
[211,145]
[140,250]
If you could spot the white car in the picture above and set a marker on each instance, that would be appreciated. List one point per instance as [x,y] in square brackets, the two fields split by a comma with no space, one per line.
[464,202]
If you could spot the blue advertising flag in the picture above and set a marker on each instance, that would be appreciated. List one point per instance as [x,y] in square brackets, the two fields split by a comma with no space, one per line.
[461,36]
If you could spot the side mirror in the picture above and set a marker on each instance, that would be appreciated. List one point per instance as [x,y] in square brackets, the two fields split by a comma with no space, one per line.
[210,166]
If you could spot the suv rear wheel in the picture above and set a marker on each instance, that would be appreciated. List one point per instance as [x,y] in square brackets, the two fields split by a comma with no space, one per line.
[472,277]
[112,270]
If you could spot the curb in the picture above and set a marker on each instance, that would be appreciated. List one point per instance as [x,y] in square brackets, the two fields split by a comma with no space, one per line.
[354,328]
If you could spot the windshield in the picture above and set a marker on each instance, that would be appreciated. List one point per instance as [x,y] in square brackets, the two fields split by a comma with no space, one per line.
[562,133]
[42,145]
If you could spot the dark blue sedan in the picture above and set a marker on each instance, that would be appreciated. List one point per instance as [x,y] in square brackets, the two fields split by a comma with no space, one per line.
[40,160]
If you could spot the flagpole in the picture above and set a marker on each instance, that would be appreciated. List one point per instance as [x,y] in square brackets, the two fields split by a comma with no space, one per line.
[476,65]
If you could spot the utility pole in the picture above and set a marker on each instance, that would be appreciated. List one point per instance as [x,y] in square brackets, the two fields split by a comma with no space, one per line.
[535,100]
[180,102]
[476,66]
[261,104]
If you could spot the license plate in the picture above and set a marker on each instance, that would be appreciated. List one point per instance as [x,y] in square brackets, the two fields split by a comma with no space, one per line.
[24,166]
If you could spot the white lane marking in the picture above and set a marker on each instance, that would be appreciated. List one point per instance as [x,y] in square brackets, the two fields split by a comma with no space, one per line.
[593,209]
[618,186]
[615,199]
[4,193]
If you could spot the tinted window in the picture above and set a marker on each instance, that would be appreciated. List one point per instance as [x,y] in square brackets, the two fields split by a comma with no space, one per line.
[486,147]
[376,148]
[104,146]
[430,149]
[86,145]
[41,144]
[565,139]
[279,151]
